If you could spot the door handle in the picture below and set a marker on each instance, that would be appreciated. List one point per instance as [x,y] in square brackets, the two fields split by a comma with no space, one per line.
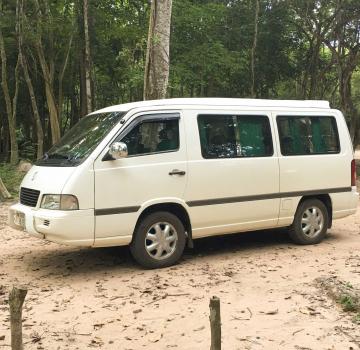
[177,172]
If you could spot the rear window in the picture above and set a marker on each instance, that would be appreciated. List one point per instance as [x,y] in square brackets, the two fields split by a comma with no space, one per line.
[301,135]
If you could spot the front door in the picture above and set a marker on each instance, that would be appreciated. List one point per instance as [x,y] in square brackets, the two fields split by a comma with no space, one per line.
[156,150]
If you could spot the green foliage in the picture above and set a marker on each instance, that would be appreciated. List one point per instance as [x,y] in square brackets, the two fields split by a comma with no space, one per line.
[210,53]
[347,303]
[11,178]
[349,285]
[356,319]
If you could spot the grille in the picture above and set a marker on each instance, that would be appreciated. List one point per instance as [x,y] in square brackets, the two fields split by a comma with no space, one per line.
[29,197]
[46,222]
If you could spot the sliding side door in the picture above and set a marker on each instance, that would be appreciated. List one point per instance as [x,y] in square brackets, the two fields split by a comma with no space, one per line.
[233,172]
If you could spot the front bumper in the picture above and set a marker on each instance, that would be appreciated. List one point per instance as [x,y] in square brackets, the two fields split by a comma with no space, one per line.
[66,227]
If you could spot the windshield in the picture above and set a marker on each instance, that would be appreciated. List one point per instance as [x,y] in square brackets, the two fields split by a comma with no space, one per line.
[78,143]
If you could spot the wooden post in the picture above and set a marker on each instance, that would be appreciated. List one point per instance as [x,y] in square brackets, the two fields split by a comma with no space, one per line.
[215,323]
[16,301]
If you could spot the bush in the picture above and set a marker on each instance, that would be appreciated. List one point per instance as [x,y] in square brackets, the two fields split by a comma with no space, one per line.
[347,303]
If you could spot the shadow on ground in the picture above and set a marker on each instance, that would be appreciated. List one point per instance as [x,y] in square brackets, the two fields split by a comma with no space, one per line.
[72,261]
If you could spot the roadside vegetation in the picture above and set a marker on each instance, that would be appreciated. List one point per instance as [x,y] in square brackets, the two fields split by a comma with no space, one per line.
[344,294]
[11,178]
[60,60]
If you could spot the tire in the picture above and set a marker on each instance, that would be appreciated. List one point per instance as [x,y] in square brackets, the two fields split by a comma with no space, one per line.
[309,226]
[167,231]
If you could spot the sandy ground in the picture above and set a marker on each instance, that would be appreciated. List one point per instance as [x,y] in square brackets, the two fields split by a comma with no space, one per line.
[83,298]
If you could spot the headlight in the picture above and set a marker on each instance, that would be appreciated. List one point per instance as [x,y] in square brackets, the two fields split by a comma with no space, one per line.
[59,202]
[51,201]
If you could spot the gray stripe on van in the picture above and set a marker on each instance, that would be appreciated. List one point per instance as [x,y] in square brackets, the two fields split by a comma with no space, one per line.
[121,210]
[260,197]
[203,202]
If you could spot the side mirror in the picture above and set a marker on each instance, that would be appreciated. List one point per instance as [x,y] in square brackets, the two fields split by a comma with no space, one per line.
[118,150]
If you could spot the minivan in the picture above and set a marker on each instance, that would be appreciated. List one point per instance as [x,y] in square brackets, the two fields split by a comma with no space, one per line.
[156,175]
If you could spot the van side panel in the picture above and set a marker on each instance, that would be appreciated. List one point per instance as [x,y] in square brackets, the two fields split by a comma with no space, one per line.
[124,187]
[317,173]
[227,195]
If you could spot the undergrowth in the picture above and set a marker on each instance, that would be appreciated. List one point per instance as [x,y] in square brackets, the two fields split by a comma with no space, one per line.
[11,178]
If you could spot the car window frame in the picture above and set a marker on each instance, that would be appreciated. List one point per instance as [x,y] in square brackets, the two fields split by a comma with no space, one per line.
[149,118]
[238,145]
[308,116]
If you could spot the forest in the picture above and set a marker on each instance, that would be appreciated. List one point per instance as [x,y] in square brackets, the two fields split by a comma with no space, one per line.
[62,59]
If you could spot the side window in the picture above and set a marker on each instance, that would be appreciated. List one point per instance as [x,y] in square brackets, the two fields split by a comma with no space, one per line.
[230,136]
[153,137]
[254,136]
[308,135]
[217,136]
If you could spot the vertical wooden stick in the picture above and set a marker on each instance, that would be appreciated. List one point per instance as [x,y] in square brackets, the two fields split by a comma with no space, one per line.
[16,301]
[215,323]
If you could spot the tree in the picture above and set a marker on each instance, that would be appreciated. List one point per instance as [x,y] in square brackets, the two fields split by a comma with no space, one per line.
[45,25]
[64,56]
[313,20]
[157,55]
[344,44]
[87,56]
[253,49]
[24,64]
[10,105]
[47,66]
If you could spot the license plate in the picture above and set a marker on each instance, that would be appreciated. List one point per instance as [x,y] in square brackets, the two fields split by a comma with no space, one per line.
[19,219]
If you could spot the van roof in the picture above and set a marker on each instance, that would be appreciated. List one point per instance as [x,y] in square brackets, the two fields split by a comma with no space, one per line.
[209,101]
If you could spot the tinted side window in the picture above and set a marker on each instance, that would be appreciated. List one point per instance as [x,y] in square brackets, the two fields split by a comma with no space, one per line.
[230,136]
[153,137]
[254,136]
[217,136]
[308,135]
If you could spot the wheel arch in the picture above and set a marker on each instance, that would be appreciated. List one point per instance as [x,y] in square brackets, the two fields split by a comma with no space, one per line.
[324,198]
[173,208]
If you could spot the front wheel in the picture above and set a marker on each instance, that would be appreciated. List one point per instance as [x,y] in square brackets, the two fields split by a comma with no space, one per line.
[159,240]
[310,222]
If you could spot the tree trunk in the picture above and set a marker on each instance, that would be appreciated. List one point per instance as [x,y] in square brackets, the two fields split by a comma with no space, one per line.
[49,92]
[39,128]
[61,78]
[23,61]
[4,193]
[10,107]
[346,101]
[82,86]
[253,49]
[157,54]
[314,68]
[48,68]
[87,59]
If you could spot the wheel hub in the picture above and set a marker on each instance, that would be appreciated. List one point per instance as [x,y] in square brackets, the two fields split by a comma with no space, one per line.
[312,221]
[161,240]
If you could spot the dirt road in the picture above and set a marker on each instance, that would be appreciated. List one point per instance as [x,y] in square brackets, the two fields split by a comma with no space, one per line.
[80,298]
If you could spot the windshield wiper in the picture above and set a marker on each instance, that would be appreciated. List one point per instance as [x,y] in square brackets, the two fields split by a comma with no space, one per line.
[58,156]
[55,155]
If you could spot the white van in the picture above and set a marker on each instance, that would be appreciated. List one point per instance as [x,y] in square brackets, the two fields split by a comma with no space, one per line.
[158,174]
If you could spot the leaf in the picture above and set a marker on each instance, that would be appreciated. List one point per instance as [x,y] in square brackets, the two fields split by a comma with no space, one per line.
[271,312]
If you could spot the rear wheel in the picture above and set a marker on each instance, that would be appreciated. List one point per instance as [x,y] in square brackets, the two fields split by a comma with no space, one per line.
[159,240]
[310,223]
